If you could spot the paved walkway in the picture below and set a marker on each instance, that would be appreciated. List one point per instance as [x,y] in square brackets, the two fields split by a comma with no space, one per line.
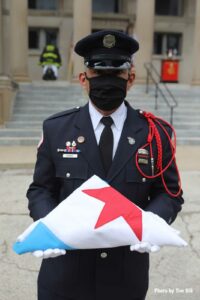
[174,273]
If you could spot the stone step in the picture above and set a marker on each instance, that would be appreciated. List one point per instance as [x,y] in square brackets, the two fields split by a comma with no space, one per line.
[189,132]
[32,117]
[19,132]
[162,103]
[51,96]
[188,140]
[189,104]
[20,124]
[185,126]
[179,98]
[33,89]
[178,117]
[18,141]
[51,107]
[49,99]
[40,110]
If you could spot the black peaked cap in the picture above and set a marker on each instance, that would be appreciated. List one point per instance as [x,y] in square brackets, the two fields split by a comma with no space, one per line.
[107,49]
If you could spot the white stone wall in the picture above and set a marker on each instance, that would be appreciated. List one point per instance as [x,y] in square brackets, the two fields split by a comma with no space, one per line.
[63,20]
[184,25]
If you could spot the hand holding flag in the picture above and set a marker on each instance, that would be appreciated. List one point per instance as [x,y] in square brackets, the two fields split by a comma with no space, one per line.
[97,216]
[48,253]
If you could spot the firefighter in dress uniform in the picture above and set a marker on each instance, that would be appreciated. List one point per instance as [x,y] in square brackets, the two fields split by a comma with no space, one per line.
[142,168]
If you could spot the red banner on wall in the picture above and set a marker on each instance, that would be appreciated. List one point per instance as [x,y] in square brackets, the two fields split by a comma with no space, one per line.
[169,70]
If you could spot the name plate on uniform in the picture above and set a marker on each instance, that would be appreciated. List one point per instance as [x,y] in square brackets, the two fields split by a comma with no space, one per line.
[70,155]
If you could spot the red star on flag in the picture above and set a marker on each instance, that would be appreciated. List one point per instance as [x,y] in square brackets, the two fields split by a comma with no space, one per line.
[117,205]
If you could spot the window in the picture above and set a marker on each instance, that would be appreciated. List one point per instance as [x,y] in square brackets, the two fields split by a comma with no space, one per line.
[163,42]
[39,37]
[43,4]
[33,39]
[169,7]
[105,6]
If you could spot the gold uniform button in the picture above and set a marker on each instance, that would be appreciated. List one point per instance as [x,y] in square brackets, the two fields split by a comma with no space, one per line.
[68,175]
[103,255]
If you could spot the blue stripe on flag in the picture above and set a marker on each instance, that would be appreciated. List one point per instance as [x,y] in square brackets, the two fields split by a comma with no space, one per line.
[41,238]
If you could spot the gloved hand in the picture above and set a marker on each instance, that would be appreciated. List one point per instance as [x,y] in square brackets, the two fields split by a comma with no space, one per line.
[144,247]
[39,253]
[49,253]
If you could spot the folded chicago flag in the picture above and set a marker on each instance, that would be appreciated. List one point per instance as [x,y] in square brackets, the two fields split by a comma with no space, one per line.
[96,216]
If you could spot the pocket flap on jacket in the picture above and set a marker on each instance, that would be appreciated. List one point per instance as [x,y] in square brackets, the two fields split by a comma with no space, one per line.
[72,170]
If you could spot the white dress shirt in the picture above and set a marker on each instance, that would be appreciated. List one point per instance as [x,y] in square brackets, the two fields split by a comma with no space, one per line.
[119,117]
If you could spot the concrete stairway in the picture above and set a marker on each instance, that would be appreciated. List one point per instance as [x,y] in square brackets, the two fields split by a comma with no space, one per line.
[37,101]
[34,103]
[186,119]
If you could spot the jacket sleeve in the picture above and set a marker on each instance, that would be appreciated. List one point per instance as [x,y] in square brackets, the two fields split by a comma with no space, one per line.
[42,57]
[43,191]
[161,203]
[58,60]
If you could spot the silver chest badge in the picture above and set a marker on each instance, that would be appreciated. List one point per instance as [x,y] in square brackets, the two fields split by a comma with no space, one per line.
[131,140]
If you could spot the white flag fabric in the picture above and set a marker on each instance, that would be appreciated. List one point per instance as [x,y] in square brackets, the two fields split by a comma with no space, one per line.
[96,216]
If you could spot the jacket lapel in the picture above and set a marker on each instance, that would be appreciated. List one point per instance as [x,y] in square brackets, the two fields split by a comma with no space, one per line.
[129,142]
[89,147]
[133,130]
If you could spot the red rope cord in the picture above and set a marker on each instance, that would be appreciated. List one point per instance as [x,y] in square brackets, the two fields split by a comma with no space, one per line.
[154,134]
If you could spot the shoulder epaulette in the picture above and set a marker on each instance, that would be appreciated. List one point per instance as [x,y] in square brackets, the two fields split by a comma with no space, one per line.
[146,115]
[64,113]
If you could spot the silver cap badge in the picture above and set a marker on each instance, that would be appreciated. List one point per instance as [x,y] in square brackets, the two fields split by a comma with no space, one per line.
[109,41]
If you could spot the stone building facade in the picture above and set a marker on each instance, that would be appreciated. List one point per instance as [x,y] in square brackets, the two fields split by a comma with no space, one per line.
[159,25]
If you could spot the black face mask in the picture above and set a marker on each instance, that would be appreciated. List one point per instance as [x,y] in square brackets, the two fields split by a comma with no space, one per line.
[107,92]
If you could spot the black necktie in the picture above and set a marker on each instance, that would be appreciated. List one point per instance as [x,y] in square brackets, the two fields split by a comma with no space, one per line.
[106,143]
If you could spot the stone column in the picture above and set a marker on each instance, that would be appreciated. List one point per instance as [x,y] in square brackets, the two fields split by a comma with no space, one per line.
[19,40]
[196,46]
[82,22]
[144,31]
[1,39]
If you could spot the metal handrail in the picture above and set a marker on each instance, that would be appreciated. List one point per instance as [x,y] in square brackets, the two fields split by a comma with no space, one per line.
[151,73]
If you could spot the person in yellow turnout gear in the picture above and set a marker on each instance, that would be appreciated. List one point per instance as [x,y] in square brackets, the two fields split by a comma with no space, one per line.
[50,60]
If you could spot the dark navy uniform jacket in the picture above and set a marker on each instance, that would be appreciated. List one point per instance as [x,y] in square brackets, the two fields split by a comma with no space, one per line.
[118,273]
